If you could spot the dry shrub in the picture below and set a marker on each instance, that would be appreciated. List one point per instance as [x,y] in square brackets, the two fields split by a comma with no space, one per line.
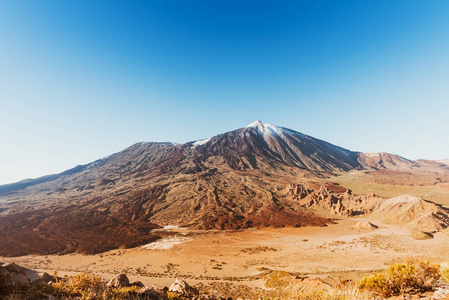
[427,274]
[280,282]
[258,249]
[121,293]
[444,272]
[351,292]
[40,291]
[318,296]
[278,279]
[413,276]
[81,286]
[174,296]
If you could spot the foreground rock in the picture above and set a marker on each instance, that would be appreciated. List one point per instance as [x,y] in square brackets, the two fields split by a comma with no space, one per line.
[46,279]
[183,288]
[118,281]
[121,281]
[13,279]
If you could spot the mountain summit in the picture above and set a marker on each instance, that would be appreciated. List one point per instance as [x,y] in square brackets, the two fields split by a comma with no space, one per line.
[267,142]
[233,180]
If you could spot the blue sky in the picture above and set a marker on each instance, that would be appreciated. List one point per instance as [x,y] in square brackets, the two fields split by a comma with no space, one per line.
[80,80]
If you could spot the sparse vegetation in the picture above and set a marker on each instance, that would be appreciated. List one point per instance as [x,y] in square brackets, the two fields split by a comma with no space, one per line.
[258,249]
[170,268]
[121,293]
[411,277]
[278,280]
[398,279]
[444,272]
[83,286]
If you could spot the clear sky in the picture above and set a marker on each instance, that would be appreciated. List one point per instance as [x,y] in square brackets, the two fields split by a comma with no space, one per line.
[80,80]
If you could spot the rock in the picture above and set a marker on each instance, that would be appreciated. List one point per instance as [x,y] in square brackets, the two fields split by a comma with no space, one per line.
[118,281]
[44,278]
[441,291]
[12,267]
[183,288]
[297,191]
[365,225]
[19,280]
[13,279]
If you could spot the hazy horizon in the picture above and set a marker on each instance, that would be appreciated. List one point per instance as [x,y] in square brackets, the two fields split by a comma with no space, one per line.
[82,80]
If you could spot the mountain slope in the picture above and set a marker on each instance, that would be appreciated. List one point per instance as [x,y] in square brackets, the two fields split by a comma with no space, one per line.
[230,181]
[278,144]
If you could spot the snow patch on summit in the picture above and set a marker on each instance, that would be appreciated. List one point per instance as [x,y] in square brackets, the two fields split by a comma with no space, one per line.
[266,128]
[269,130]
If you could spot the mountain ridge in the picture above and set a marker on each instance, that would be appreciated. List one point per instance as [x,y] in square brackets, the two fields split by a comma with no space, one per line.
[230,181]
[369,160]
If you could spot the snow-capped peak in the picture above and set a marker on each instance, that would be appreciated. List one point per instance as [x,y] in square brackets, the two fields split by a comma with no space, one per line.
[267,130]
[265,127]
[255,124]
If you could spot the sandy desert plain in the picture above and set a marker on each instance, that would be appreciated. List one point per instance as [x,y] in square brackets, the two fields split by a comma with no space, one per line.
[219,261]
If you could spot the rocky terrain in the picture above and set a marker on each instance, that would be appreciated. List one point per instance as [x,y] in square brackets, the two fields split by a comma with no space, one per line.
[258,176]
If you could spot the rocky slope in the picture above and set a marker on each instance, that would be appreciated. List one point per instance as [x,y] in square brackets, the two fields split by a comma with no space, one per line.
[231,181]
[413,212]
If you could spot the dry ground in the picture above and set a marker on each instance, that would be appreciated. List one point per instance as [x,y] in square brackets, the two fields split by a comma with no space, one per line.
[331,253]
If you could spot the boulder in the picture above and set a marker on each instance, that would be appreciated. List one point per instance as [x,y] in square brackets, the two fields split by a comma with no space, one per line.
[12,267]
[183,288]
[118,281]
[13,279]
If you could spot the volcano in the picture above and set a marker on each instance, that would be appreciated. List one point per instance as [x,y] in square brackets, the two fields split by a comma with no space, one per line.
[233,180]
